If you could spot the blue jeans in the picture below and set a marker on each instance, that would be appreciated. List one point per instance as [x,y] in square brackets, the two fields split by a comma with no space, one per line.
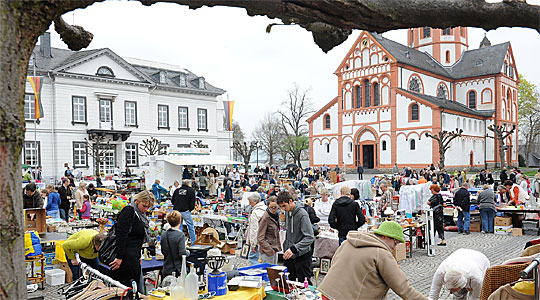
[75,270]
[54,213]
[253,257]
[464,226]
[63,214]
[341,240]
[186,216]
[487,215]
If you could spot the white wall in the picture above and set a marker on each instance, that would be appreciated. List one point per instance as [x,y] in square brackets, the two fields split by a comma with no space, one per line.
[403,115]
[321,156]
[318,123]
[421,155]
[91,67]
[430,84]
[462,88]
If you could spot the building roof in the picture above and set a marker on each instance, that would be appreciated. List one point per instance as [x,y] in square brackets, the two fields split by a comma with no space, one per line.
[322,110]
[477,62]
[450,104]
[63,57]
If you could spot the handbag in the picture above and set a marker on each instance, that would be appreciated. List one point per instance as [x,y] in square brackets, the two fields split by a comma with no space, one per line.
[107,250]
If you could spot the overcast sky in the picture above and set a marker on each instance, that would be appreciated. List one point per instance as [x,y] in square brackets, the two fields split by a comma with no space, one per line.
[234,52]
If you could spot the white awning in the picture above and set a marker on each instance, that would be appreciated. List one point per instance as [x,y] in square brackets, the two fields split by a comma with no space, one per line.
[191,160]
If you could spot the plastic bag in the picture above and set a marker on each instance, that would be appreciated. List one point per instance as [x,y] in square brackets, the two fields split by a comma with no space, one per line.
[32,243]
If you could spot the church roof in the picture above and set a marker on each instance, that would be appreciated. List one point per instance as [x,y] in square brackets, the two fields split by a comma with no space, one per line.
[450,104]
[477,62]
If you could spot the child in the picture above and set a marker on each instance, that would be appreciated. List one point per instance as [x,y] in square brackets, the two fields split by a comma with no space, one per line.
[86,208]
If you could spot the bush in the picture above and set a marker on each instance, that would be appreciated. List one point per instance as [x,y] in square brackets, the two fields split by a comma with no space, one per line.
[521,160]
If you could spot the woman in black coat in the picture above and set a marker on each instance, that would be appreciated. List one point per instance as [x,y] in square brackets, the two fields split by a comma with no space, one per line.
[131,232]
[436,203]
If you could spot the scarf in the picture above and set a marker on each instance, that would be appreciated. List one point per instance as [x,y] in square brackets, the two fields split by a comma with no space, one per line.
[274,216]
[142,217]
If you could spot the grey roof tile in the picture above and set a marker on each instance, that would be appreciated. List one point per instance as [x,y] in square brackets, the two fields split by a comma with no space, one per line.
[468,66]
[450,104]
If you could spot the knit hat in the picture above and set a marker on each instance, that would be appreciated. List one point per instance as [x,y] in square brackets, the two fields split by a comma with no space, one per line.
[391,229]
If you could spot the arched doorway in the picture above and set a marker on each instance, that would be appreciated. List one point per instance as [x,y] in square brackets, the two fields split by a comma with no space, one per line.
[366,149]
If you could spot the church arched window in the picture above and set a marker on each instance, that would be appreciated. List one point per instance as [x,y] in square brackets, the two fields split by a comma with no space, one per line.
[415,85]
[471,97]
[442,92]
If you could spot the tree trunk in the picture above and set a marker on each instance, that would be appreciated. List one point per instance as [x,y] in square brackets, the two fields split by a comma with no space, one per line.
[441,156]
[501,153]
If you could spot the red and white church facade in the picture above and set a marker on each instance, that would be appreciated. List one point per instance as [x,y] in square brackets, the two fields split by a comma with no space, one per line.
[390,95]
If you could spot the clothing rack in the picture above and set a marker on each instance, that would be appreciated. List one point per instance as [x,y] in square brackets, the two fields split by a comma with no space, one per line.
[84,267]
[533,267]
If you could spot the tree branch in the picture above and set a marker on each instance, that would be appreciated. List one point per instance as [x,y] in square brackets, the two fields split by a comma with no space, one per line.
[75,37]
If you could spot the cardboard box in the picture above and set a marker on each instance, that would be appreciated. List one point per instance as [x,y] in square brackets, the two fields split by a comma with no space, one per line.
[503,221]
[517,232]
[475,227]
[35,219]
[400,253]
[504,230]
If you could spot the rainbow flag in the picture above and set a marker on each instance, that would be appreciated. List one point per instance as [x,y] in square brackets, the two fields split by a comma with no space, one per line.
[37,83]
[229,107]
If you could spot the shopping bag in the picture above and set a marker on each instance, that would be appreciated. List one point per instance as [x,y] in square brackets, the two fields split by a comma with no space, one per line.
[32,243]
[60,255]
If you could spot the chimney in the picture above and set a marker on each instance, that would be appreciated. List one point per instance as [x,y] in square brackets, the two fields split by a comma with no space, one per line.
[45,45]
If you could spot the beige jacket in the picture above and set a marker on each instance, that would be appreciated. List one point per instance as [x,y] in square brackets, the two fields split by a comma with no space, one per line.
[370,270]
[256,214]
[79,198]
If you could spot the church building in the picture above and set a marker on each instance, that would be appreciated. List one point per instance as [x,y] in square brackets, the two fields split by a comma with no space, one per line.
[390,95]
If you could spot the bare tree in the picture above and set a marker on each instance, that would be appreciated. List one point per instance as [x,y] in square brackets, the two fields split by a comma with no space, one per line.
[330,22]
[151,146]
[500,133]
[295,110]
[444,138]
[97,146]
[244,149]
[238,137]
[269,135]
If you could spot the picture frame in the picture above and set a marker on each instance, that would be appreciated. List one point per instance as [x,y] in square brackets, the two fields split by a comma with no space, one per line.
[325,265]
[245,251]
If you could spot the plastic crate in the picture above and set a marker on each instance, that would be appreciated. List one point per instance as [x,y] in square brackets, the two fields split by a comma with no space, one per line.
[262,272]
[55,277]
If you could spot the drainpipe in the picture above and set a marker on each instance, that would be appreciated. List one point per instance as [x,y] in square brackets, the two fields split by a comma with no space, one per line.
[485,144]
[53,127]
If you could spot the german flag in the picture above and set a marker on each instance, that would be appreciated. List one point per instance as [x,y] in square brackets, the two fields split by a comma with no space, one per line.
[37,83]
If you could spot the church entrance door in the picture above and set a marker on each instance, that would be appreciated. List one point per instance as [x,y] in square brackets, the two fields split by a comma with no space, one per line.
[368,156]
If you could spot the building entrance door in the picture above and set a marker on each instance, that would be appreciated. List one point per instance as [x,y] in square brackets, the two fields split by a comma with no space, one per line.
[367,156]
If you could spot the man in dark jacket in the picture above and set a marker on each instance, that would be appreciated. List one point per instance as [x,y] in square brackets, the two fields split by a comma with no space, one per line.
[503,176]
[360,170]
[298,238]
[183,200]
[345,214]
[31,197]
[65,196]
[463,203]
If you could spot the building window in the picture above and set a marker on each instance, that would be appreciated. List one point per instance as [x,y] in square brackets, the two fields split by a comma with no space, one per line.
[442,92]
[202,124]
[350,146]
[182,80]
[105,71]
[415,112]
[447,31]
[163,116]
[358,95]
[79,109]
[472,99]
[162,77]
[415,85]
[201,83]
[413,144]
[130,108]
[384,146]
[29,107]
[132,155]
[32,154]
[105,110]
[80,154]
[367,96]
[163,149]
[183,120]
[447,54]
[511,71]
[327,122]
[427,32]
[376,94]
[327,147]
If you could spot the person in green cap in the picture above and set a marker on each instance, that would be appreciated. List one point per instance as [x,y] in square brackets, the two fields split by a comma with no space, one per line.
[363,267]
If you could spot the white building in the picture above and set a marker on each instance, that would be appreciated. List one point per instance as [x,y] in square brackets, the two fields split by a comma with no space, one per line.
[390,95]
[127,100]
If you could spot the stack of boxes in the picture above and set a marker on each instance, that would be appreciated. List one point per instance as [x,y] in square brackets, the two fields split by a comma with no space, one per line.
[530,227]
[503,225]
[475,222]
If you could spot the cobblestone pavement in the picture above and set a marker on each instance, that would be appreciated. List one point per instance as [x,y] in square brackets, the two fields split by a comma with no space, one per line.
[421,268]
